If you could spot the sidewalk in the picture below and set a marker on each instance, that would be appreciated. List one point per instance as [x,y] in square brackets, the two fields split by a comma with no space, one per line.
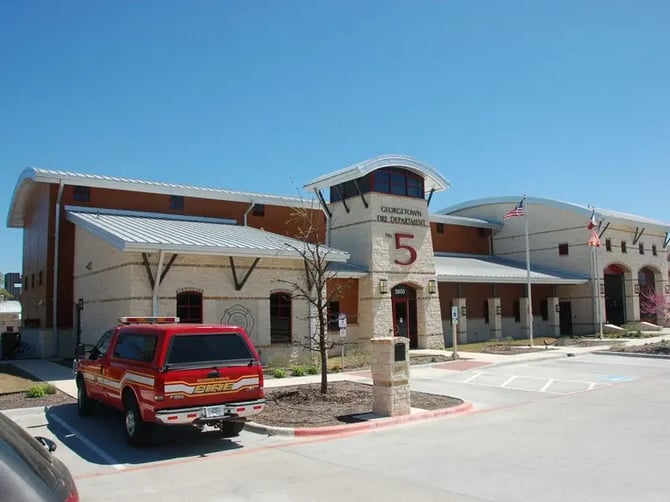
[62,377]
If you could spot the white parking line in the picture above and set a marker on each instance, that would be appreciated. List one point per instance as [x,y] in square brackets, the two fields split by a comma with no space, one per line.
[546,385]
[472,377]
[592,385]
[509,380]
[89,444]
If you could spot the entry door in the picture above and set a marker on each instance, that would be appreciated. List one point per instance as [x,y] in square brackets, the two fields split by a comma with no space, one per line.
[614,299]
[400,320]
[565,318]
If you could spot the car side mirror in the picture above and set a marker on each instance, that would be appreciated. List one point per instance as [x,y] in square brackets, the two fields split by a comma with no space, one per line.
[47,443]
[79,351]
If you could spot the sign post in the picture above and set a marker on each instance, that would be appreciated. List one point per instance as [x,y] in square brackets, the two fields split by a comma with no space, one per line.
[454,331]
[342,323]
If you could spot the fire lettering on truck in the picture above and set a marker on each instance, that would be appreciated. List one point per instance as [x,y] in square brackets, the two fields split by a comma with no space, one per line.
[213,387]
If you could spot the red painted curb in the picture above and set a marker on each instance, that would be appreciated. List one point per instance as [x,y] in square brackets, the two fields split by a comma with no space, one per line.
[383,422]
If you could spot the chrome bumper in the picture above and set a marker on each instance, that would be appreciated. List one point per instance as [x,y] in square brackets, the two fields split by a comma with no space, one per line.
[199,413]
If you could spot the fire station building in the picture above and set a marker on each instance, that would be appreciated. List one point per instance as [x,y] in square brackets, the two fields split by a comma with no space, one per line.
[96,248]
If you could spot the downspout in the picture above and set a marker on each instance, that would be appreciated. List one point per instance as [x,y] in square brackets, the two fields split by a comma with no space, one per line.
[54,307]
[246,213]
[157,284]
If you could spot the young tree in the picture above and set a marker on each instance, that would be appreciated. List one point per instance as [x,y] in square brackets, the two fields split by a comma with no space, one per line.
[308,225]
[655,304]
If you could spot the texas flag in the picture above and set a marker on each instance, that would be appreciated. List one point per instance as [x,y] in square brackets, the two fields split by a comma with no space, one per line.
[593,222]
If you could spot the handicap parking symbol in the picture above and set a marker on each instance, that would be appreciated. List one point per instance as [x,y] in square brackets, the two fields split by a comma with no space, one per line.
[616,378]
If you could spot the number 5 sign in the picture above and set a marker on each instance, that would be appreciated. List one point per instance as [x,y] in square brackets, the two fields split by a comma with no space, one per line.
[401,243]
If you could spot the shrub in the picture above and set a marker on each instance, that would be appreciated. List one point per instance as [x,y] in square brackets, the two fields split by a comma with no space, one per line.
[50,389]
[37,391]
[312,370]
[279,373]
[298,371]
[335,368]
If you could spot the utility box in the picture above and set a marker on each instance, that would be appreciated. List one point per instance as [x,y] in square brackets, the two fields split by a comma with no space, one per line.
[390,376]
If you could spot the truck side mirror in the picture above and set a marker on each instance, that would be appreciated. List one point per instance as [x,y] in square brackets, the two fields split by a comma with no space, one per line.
[79,351]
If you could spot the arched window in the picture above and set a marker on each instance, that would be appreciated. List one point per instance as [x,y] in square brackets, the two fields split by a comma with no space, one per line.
[280,318]
[189,306]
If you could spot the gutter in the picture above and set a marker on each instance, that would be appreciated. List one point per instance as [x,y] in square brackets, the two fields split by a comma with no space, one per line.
[56,258]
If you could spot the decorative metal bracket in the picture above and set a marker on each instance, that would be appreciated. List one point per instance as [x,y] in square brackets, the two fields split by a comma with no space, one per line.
[365,202]
[638,234]
[607,225]
[239,285]
[147,266]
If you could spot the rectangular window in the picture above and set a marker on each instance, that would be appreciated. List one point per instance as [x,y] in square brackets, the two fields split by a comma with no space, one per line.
[608,244]
[135,347]
[517,311]
[623,247]
[563,249]
[641,248]
[39,278]
[439,227]
[258,210]
[333,315]
[544,308]
[81,194]
[486,312]
[32,281]
[194,349]
[25,286]
[177,202]
[653,249]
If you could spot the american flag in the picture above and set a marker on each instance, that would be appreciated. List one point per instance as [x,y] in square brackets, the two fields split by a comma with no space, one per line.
[513,213]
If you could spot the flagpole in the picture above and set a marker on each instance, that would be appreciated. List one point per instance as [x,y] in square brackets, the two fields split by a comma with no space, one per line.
[530,296]
[598,305]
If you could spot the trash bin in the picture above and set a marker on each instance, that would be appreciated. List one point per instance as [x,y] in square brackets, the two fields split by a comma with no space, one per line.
[10,342]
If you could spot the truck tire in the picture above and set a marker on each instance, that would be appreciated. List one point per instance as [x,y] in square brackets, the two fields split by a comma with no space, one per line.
[231,428]
[84,403]
[137,430]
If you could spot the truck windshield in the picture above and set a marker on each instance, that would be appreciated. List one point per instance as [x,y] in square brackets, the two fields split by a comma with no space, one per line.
[213,347]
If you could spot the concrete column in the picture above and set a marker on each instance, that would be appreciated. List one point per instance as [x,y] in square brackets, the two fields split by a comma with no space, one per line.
[462,327]
[632,298]
[554,316]
[495,319]
[390,376]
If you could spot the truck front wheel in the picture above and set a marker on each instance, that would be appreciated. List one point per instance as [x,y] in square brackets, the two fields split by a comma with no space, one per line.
[84,403]
[137,430]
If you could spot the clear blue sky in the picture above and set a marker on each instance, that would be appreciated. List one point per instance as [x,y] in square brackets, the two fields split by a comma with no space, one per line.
[567,99]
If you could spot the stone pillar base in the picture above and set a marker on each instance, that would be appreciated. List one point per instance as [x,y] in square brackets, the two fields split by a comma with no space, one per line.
[390,376]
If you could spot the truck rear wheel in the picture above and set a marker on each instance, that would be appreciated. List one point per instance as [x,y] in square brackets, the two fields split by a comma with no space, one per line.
[84,403]
[231,428]
[137,430]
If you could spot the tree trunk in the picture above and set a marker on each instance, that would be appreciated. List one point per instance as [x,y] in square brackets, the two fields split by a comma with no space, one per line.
[324,362]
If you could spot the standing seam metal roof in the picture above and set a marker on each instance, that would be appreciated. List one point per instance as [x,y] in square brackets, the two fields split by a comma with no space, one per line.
[492,269]
[33,175]
[129,232]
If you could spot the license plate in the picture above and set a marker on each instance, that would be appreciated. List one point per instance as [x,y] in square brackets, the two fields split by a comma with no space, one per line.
[214,411]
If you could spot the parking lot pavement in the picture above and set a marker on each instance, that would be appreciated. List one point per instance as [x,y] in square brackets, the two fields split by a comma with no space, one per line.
[95,446]
[494,386]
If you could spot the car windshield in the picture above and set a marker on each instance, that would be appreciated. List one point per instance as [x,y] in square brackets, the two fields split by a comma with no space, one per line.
[208,348]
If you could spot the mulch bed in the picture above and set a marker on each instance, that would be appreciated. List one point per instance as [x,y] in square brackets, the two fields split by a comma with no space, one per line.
[660,348]
[305,406]
[20,400]
[581,342]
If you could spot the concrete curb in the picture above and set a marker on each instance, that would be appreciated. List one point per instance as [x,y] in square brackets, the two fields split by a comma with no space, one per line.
[360,426]
[632,354]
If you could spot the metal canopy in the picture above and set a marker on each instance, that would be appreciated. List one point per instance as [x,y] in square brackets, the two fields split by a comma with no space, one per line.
[491,269]
[142,232]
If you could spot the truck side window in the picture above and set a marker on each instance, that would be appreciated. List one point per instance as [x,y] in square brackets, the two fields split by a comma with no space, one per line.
[103,344]
[135,347]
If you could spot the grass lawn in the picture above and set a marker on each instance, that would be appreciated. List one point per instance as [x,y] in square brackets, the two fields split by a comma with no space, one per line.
[14,380]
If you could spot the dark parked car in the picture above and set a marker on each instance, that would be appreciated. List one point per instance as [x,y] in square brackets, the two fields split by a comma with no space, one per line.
[28,470]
